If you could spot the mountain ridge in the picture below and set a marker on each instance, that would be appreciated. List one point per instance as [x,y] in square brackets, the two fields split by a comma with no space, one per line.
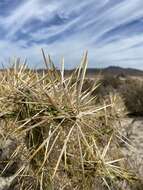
[113,70]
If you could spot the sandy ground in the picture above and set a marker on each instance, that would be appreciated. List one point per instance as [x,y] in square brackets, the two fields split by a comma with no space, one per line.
[134,132]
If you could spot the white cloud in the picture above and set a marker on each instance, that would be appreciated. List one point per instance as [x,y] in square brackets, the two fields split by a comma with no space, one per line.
[28,10]
[88,20]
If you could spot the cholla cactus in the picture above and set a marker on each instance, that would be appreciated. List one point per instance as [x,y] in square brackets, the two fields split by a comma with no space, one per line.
[69,137]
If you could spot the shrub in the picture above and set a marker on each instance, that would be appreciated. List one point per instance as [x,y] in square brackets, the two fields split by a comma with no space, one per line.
[130,89]
[132,92]
[108,84]
[111,81]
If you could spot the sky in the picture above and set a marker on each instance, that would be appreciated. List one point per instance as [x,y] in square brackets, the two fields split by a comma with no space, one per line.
[111,31]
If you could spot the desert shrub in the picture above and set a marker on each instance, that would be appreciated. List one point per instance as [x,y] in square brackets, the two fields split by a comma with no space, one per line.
[108,84]
[68,139]
[111,81]
[132,92]
[130,89]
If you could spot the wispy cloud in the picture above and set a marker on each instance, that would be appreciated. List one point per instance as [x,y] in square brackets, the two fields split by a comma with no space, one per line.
[110,30]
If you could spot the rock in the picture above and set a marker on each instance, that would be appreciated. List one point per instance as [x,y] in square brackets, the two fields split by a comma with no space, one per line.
[9,162]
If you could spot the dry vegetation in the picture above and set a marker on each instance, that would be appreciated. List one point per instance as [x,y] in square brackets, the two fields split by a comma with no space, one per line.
[129,88]
[57,134]
[132,92]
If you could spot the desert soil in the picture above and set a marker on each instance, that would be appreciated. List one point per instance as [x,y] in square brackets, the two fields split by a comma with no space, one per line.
[134,132]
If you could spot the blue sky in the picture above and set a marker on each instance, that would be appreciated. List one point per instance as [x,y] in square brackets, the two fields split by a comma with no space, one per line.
[111,31]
